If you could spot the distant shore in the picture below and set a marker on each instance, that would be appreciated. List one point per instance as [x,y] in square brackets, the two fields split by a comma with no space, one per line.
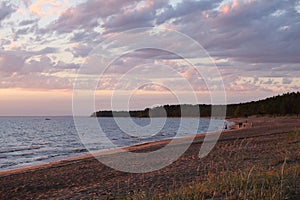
[86,177]
[288,104]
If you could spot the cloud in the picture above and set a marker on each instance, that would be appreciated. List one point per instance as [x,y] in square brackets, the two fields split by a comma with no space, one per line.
[184,9]
[150,53]
[248,32]
[26,62]
[22,31]
[28,22]
[43,64]
[43,8]
[242,33]
[3,42]
[79,50]
[36,81]
[10,63]
[287,81]
[27,2]
[86,15]
[129,18]
[29,70]
[46,50]
[247,38]
[6,10]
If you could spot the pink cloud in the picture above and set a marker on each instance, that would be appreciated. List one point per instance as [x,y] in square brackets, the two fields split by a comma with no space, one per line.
[229,7]
[225,9]
[43,8]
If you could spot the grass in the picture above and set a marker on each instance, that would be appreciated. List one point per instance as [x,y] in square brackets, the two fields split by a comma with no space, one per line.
[272,177]
[276,182]
[253,184]
[294,135]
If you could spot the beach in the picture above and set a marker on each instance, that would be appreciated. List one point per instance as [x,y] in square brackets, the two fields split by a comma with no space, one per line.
[266,145]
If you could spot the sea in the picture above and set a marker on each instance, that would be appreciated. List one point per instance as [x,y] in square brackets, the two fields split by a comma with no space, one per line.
[29,141]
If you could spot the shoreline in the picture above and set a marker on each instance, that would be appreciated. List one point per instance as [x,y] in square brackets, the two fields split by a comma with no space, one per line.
[138,146]
[89,155]
[85,177]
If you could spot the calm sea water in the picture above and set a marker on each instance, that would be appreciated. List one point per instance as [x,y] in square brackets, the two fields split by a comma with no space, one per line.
[27,141]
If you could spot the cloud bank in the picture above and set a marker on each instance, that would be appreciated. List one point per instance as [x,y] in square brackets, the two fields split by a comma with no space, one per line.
[255,43]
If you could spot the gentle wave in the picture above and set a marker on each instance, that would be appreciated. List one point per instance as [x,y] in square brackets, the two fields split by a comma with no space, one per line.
[19,149]
[27,141]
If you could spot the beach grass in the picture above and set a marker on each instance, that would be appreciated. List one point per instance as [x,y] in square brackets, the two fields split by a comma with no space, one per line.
[276,180]
[245,184]
[253,183]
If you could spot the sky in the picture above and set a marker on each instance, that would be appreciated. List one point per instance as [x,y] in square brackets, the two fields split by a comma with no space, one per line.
[254,44]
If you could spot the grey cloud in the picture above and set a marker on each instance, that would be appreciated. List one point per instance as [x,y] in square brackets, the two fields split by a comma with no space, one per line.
[5,10]
[249,33]
[80,51]
[22,31]
[80,36]
[28,22]
[185,8]
[10,63]
[14,62]
[291,68]
[88,38]
[149,53]
[246,14]
[62,65]
[287,81]
[20,62]
[136,18]
[46,51]
[113,16]
[124,22]
[44,64]
[86,15]
[4,42]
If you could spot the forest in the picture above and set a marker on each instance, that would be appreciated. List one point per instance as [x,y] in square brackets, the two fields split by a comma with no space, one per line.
[281,105]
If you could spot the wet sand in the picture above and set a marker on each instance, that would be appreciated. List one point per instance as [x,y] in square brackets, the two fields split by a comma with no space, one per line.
[266,144]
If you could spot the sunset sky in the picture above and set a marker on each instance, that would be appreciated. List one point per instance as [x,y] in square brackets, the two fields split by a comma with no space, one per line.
[255,45]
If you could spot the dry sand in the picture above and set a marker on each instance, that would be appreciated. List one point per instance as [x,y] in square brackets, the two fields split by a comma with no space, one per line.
[266,144]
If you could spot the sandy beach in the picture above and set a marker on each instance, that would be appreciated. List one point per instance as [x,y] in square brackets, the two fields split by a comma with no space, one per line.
[267,144]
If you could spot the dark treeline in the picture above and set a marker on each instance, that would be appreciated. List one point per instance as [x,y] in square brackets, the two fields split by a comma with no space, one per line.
[286,104]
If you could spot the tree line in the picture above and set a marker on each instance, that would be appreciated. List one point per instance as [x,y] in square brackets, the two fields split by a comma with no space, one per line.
[281,105]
